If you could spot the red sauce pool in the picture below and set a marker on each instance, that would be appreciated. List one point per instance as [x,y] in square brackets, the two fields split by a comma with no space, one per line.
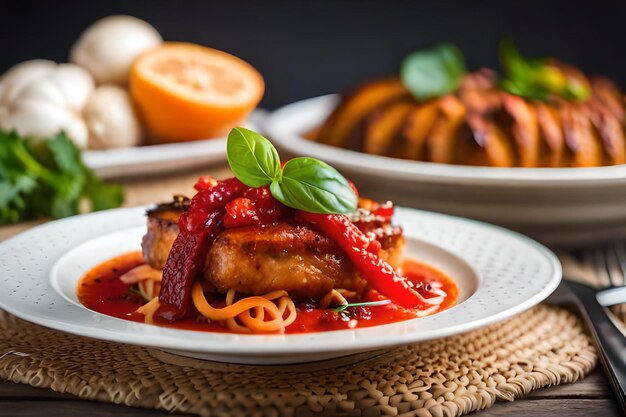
[102,291]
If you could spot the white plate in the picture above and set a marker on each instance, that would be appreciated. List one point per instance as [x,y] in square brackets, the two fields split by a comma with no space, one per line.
[559,206]
[499,274]
[159,159]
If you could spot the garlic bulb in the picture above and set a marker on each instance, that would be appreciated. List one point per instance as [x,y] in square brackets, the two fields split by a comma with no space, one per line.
[4,118]
[75,83]
[108,47]
[111,119]
[21,75]
[41,119]
[44,90]
[40,98]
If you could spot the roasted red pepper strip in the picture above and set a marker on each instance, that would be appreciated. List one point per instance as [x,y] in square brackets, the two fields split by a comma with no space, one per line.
[374,245]
[385,211]
[185,261]
[340,229]
[241,212]
[257,207]
[378,273]
[268,208]
[207,201]
[205,182]
[199,226]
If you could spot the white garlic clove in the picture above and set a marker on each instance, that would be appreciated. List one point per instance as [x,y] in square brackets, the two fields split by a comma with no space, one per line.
[76,130]
[112,119]
[109,46]
[40,120]
[4,118]
[37,118]
[75,83]
[21,75]
[43,90]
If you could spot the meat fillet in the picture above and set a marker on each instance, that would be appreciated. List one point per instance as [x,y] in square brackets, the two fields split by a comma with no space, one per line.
[162,231]
[281,256]
[287,257]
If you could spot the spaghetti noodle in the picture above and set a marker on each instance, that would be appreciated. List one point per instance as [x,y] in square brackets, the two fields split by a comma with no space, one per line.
[149,309]
[248,314]
[333,296]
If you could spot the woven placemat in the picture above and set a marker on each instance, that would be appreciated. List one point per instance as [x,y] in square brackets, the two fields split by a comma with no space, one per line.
[450,377]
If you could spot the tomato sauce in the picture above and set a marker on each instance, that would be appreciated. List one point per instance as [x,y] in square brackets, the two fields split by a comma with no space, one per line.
[102,291]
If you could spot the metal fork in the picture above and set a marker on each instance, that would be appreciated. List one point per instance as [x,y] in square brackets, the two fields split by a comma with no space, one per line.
[609,267]
[601,274]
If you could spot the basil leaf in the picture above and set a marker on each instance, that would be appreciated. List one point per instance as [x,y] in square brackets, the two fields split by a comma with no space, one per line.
[433,72]
[538,79]
[314,186]
[304,183]
[252,158]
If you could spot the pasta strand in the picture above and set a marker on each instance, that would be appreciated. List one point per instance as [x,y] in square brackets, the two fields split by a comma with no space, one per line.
[248,314]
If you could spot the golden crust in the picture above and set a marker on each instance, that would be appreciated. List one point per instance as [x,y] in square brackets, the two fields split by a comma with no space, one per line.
[161,233]
[297,259]
[481,124]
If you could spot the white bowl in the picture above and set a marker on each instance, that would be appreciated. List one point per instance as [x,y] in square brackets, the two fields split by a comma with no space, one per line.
[559,206]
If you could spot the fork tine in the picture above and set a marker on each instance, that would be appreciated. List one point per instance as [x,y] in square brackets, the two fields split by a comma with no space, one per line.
[620,251]
[613,266]
[608,269]
[597,259]
[587,260]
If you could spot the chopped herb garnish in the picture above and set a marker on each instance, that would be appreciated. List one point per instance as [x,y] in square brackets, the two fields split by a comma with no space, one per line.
[364,304]
[135,291]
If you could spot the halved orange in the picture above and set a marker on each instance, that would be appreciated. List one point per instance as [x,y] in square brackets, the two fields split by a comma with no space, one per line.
[189,92]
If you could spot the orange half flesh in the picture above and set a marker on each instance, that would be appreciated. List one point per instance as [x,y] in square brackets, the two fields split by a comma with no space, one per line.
[190,92]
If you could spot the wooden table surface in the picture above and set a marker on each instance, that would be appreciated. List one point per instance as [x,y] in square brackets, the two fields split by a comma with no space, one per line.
[591,396]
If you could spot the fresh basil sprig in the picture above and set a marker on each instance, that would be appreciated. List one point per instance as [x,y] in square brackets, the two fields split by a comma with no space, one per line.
[538,79]
[252,158]
[433,72]
[303,183]
[314,186]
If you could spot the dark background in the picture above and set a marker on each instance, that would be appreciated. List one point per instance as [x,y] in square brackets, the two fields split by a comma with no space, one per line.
[308,48]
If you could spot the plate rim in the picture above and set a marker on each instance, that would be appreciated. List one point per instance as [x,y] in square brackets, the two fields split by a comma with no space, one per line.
[278,126]
[252,349]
